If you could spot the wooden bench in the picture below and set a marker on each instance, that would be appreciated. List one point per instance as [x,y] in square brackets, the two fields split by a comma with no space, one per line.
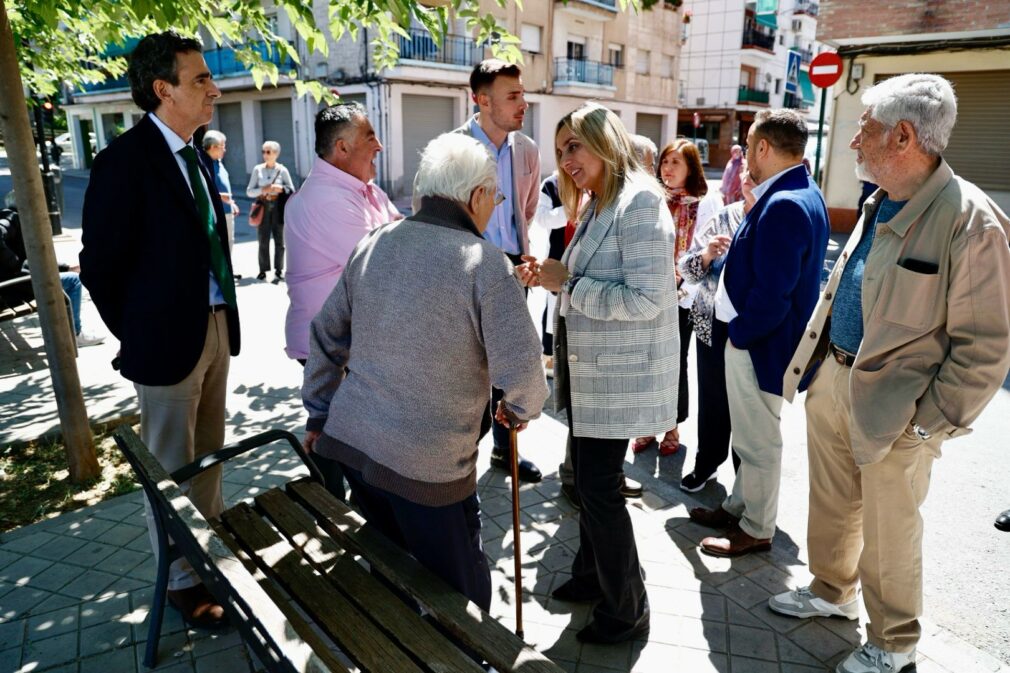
[287,569]
[9,310]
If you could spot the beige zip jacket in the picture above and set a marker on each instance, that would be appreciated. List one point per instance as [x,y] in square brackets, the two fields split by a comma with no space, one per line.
[936,316]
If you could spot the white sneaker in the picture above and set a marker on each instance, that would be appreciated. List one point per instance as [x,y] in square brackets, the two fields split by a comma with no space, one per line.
[85,339]
[871,659]
[802,603]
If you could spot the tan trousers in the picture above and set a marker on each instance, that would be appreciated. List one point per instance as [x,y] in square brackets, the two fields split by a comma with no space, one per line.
[864,524]
[182,422]
[757,440]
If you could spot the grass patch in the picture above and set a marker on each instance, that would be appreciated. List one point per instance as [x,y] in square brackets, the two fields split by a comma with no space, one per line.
[35,481]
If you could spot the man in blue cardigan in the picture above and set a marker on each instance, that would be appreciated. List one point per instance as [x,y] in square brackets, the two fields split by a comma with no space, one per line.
[767,291]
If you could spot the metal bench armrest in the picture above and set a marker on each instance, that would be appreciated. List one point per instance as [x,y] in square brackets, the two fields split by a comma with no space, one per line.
[187,472]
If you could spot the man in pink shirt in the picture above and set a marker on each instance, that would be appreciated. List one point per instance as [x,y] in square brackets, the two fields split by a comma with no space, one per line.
[336,207]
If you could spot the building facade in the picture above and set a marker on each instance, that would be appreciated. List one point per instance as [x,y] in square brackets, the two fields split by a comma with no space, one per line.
[966,41]
[572,52]
[740,57]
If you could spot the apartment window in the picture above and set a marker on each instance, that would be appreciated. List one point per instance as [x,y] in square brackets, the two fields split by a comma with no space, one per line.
[782,39]
[576,50]
[616,57]
[666,66]
[642,64]
[778,85]
[530,37]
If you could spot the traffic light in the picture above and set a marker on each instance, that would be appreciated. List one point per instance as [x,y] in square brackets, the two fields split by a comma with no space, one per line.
[48,110]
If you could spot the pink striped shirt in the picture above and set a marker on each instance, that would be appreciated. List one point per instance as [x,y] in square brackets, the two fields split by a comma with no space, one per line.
[323,223]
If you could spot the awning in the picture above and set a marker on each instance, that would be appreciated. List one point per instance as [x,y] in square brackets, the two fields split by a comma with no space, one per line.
[766,13]
[806,88]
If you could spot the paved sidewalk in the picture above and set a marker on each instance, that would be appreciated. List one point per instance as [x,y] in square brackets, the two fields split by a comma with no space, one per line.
[75,590]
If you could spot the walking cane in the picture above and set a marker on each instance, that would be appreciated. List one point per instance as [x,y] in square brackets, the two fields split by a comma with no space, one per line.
[514,446]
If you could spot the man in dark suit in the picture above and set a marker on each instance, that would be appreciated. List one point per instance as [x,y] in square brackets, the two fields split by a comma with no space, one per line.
[155,259]
[767,292]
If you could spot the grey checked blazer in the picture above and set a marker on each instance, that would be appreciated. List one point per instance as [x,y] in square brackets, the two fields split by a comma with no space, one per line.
[623,344]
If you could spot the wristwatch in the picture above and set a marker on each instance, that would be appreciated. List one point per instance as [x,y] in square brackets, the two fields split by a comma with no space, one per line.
[921,432]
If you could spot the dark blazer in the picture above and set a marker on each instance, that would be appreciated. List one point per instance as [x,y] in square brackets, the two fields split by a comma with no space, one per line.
[146,259]
[773,273]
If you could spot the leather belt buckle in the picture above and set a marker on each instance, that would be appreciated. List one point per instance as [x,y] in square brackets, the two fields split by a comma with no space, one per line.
[843,358]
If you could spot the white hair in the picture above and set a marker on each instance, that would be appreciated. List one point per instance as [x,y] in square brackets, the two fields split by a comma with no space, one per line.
[643,145]
[927,102]
[213,139]
[272,145]
[452,166]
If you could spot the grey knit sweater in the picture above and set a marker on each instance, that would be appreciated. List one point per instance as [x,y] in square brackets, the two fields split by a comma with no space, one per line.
[425,318]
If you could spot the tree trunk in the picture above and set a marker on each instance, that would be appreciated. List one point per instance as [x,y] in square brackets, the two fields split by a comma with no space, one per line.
[61,350]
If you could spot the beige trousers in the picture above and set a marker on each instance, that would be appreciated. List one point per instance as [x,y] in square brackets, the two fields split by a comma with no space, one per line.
[182,422]
[864,524]
[757,440]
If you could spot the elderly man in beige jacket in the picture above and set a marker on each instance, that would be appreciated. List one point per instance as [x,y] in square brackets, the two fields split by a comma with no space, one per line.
[912,339]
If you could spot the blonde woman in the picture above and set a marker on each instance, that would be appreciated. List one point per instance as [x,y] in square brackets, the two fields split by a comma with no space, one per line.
[616,352]
[271,182]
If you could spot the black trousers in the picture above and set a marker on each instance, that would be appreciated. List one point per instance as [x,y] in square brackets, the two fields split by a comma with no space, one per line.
[684,316]
[714,427]
[445,540]
[607,559]
[272,226]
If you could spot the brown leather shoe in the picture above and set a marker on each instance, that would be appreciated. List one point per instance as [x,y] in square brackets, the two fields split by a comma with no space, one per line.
[198,608]
[735,543]
[713,518]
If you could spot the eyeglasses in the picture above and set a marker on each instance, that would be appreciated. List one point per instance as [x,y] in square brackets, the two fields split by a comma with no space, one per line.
[499,199]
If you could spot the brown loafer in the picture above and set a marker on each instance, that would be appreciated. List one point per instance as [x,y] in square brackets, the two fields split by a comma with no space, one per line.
[198,608]
[735,543]
[713,518]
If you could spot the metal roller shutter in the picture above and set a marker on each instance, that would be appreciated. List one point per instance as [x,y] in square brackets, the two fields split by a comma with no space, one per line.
[424,117]
[229,122]
[979,147]
[650,126]
[277,124]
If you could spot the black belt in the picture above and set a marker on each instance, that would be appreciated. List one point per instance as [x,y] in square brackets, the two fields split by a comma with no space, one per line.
[842,357]
[218,307]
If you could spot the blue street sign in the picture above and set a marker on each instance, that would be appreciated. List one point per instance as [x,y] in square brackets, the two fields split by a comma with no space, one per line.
[793,72]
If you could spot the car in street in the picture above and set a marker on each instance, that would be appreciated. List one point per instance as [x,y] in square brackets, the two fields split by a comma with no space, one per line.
[66,144]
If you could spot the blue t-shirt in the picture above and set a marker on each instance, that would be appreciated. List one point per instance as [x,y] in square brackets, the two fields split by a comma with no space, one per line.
[847,311]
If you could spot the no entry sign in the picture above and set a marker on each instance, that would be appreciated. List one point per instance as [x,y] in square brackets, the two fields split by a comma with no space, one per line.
[825,69]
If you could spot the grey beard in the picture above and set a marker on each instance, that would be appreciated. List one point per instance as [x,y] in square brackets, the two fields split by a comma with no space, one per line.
[863,174]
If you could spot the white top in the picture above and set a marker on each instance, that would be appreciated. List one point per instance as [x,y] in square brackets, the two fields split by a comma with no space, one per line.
[175,143]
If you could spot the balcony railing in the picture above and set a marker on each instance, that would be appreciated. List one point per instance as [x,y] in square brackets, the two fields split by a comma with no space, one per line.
[603,4]
[454,50]
[748,95]
[806,55]
[753,38]
[805,7]
[588,72]
[794,101]
[222,62]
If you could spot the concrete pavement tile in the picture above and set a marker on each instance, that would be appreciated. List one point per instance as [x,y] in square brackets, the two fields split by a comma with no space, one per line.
[173,653]
[818,641]
[19,602]
[738,615]
[12,634]
[122,660]
[42,654]
[745,592]
[91,528]
[141,543]
[746,641]
[105,609]
[54,602]
[573,615]
[56,576]
[234,660]
[105,637]
[753,665]
[799,668]
[53,623]
[771,578]
[7,557]
[745,565]
[949,652]
[930,666]
[557,557]
[780,623]
[849,630]
[687,603]
[129,508]
[789,652]
[699,634]
[125,585]
[22,571]
[90,555]
[5,587]
[607,656]
[205,643]
[88,585]
[564,646]
[589,668]
[10,659]
[123,533]
[122,561]
[27,544]
[495,506]
[59,548]
[145,571]
[688,660]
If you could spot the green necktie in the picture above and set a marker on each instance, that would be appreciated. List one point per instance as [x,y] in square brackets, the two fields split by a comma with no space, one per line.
[218,262]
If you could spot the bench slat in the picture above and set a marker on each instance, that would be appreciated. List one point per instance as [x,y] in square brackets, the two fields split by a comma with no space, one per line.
[223,574]
[464,620]
[310,635]
[349,627]
[415,634]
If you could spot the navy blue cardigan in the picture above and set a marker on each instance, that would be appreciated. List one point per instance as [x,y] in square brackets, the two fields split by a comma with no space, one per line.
[773,273]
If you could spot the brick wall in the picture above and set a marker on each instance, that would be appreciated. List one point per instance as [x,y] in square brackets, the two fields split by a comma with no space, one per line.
[841,19]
